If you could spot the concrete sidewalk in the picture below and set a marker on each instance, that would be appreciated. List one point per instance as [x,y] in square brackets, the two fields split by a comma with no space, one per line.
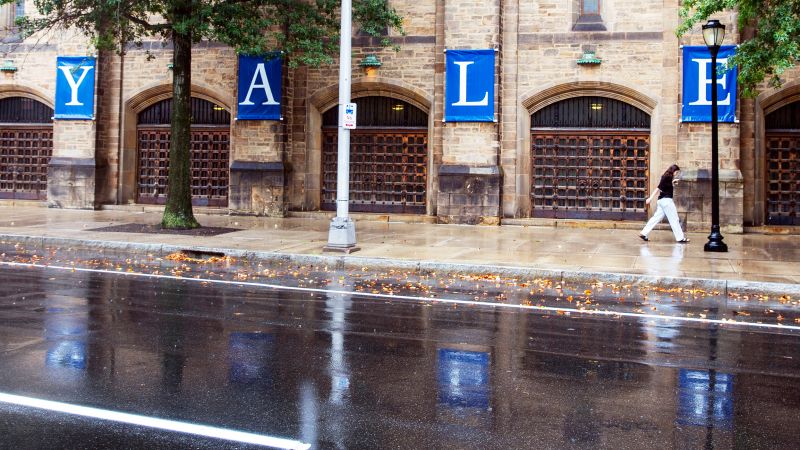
[753,259]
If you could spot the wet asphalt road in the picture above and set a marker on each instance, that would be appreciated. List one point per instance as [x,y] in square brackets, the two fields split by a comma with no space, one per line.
[355,371]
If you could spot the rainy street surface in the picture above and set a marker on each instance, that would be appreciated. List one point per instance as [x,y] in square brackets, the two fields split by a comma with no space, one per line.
[103,351]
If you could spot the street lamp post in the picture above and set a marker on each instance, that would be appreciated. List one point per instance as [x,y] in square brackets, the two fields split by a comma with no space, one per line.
[342,231]
[713,34]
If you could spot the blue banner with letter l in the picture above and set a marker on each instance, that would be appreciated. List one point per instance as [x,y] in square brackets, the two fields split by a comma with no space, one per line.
[469,91]
[75,87]
[259,90]
[697,78]
[463,378]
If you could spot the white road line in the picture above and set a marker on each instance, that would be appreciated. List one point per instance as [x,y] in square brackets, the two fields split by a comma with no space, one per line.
[152,422]
[420,299]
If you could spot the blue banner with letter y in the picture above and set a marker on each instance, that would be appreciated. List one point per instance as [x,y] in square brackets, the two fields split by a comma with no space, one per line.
[75,87]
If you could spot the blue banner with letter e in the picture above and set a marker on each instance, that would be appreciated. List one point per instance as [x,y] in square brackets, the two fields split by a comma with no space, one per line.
[75,87]
[697,79]
[259,90]
[469,91]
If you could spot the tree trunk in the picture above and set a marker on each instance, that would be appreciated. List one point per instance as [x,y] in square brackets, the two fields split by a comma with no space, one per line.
[178,210]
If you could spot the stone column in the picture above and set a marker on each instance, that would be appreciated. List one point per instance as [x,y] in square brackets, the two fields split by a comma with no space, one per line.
[257,168]
[509,108]
[469,174]
[257,188]
[693,195]
[108,144]
[71,173]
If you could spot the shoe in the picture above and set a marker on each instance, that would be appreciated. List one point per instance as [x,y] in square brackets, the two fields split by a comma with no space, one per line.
[683,241]
[643,237]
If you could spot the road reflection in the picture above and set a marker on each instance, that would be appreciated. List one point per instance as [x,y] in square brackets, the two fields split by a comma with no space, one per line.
[250,356]
[65,329]
[463,379]
[344,371]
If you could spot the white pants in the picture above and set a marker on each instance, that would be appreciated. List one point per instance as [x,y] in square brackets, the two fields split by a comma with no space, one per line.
[666,207]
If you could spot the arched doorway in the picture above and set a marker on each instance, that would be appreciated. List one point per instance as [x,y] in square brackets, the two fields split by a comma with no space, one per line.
[26,145]
[210,153]
[388,157]
[783,165]
[590,160]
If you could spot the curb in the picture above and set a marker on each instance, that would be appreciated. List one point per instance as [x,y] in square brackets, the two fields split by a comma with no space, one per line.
[728,289]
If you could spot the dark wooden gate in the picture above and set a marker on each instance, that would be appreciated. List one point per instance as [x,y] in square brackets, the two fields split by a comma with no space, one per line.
[783,165]
[26,145]
[388,157]
[590,160]
[210,153]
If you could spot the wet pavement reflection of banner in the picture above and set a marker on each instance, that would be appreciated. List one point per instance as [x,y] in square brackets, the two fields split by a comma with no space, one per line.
[705,398]
[463,378]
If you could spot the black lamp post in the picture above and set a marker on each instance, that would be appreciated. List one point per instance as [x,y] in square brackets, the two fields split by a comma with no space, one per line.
[713,34]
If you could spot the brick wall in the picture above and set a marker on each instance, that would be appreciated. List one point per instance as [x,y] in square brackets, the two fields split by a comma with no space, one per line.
[536,64]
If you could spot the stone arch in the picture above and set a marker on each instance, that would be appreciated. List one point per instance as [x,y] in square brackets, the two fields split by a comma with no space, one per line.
[755,185]
[27,147]
[326,98]
[554,94]
[136,103]
[535,100]
[155,93]
[27,91]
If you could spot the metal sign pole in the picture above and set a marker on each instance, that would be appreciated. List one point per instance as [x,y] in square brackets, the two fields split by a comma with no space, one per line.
[342,232]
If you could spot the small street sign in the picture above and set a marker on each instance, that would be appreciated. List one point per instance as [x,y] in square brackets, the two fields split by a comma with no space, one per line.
[349,117]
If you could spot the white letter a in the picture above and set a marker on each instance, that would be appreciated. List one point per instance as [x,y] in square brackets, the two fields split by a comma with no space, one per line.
[260,71]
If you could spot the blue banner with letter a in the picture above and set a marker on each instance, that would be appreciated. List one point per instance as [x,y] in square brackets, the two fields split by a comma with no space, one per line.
[259,90]
[75,87]
[697,78]
[469,91]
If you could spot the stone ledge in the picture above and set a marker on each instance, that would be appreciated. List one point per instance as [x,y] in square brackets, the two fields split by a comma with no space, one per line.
[725,175]
[274,166]
[257,188]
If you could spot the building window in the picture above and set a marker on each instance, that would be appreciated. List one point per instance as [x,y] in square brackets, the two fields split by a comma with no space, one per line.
[589,16]
[590,7]
[8,16]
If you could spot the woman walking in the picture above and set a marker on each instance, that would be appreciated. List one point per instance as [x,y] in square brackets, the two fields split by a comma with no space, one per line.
[666,207]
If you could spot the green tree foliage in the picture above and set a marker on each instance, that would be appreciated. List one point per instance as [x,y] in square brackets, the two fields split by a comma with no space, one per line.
[306,31]
[773,49]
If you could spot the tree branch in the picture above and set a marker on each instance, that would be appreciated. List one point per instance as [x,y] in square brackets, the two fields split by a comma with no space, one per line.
[156,28]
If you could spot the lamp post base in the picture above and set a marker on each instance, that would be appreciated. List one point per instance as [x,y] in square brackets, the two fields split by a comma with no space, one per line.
[715,243]
[341,236]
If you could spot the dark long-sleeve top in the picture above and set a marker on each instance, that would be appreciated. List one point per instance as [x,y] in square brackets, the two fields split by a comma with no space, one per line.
[665,186]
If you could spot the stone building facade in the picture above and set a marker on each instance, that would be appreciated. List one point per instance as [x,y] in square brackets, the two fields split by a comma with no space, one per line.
[548,156]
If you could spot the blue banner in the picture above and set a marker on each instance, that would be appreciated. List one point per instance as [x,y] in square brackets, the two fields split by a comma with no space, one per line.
[705,398]
[463,378]
[697,79]
[75,87]
[469,91]
[259,96]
